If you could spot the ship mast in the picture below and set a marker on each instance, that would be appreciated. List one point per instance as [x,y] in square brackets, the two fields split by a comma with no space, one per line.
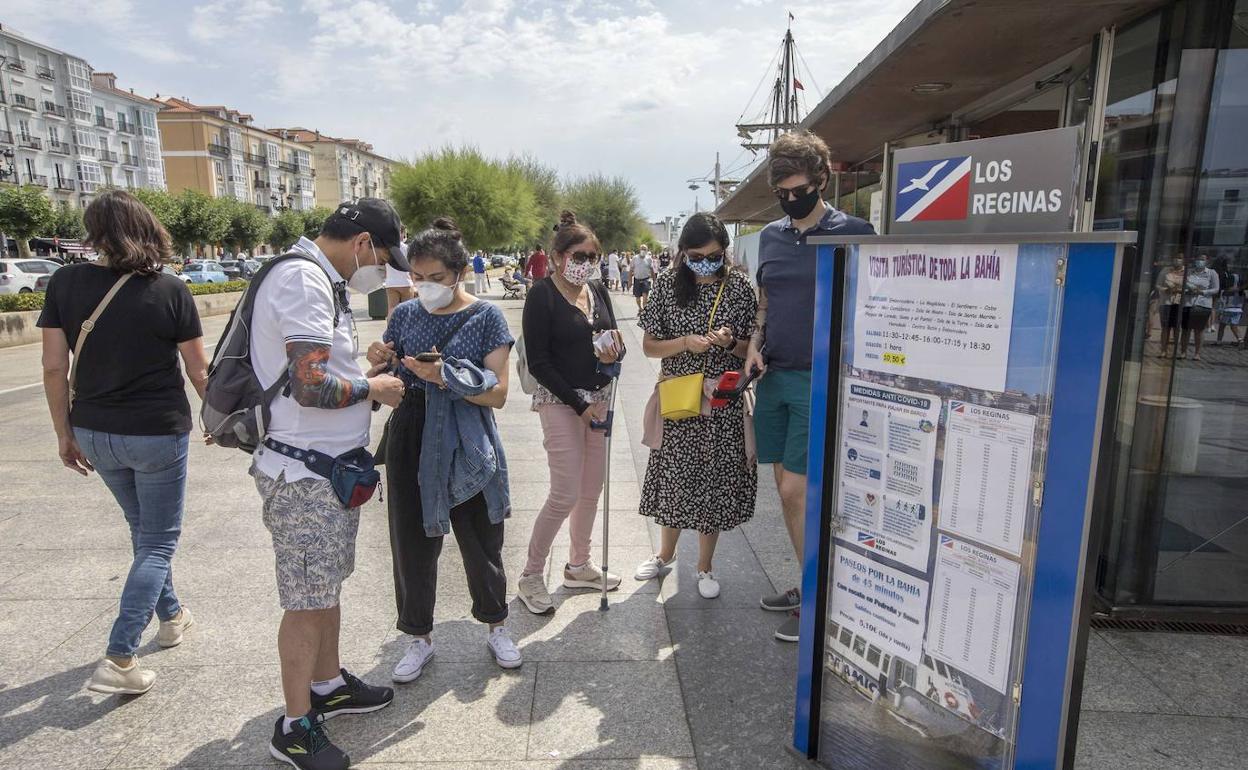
[785,113]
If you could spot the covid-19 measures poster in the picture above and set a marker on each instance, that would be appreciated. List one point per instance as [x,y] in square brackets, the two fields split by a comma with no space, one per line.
[936,312]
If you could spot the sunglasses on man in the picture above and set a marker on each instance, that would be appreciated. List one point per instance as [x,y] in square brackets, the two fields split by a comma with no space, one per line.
[793,193]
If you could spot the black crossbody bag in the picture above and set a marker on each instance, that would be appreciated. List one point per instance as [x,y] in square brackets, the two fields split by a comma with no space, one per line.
[379,455]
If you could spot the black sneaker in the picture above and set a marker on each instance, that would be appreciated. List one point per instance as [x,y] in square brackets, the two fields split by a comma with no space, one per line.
[307,745]
[354,697]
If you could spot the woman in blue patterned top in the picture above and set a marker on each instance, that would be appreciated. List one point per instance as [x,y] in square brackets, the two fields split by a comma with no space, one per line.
[445,467]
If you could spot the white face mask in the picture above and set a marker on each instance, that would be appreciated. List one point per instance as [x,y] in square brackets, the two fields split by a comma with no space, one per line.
[434,296]
[367,280]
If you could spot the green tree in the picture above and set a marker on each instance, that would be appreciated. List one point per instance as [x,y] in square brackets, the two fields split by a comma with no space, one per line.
[162,205]
[491,206]
[608,205]
[24,213]
[200,220]
[287,227]
[248,226]
[313,219]
[68,222]
[544,180]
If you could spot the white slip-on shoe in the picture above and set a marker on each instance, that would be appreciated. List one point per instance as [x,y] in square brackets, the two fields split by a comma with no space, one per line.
[170,632]
[652,568]
[112,679]
[588,576]
[708,586]
[533,594]
[505,651]
[415,657]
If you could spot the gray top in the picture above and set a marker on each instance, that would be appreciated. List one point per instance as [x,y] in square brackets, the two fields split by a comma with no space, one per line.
[786,272]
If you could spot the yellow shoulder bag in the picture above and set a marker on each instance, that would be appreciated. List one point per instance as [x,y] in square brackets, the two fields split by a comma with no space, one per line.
[681,397]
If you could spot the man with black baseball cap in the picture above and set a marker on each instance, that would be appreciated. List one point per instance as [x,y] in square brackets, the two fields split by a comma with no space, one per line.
[302,326]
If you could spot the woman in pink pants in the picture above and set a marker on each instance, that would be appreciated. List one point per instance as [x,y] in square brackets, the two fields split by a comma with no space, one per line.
[563,316]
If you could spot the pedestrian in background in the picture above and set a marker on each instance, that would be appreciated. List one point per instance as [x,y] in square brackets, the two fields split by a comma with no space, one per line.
[799,169]
[1170,299]
[1199,290]
[445,466]
[120,408]
[698,321]
[398,283]
[563,318]
[302,327]
[1230,304]
[643,272]
[626,271]
[536,267]
[478,273]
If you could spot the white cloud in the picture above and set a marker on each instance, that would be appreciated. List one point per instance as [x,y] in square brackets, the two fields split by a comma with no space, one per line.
[117,20]
[221,19]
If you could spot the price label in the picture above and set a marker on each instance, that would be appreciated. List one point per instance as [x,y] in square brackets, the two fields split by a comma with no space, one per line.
[895,358]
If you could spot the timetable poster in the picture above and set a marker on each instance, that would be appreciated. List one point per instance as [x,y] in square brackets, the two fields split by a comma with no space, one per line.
[987,474]
[938,312]
[882,606]
[971,622]
[888,452]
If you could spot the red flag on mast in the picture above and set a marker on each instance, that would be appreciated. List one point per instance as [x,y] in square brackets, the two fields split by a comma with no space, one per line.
[798,85]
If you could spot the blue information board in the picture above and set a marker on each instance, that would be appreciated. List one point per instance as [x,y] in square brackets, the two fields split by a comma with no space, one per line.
[957,393]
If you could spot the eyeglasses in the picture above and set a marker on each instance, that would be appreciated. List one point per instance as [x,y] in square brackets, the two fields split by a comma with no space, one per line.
[585,256]
[717,256]
[792,193]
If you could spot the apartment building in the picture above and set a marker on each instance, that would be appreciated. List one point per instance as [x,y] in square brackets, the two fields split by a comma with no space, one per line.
[218,151]
[347,169]
[69,130]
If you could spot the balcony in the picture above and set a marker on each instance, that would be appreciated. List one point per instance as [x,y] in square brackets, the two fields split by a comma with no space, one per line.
[220,150]
[45,72]
[108,156]
[30,142]
[260,184]
[129,160]
[85,150]
[66,184]
[16,64]
[24,102]
[6,136]
[54,109]
[104,122]
[126,127]
[288,167]
[38,179]
[254,159]
[55,145]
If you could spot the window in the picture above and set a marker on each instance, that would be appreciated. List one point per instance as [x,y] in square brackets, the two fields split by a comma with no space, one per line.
[130,179]
[148,121]
[218,169]
[79,74]
[123,119]
[236,139]
[30,168]
[80,105]
[85,140]
[860,646]
[54,135]
[103,141]
[873,655]
[847,636]
[59,172]
[23,128]
[270,151]
[99,115]
[108,175]
[89,174]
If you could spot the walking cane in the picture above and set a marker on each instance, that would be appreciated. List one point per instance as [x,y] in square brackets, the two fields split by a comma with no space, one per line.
[605,426]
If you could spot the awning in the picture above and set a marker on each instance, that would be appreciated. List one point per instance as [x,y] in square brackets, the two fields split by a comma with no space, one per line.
[67,245]
[975,46]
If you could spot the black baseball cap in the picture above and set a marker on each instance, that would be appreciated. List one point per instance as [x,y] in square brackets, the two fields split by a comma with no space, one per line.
[379,219]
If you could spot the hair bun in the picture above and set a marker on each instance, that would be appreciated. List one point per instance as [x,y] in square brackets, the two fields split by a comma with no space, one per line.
[567,219]
[447,224]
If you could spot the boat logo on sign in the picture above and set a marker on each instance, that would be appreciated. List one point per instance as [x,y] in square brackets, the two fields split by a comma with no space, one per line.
[933,190]
[866,539]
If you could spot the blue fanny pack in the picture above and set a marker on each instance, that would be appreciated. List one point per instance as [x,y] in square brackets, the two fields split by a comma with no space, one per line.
[352,473]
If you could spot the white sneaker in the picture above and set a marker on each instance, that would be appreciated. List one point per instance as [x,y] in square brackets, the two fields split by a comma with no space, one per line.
[532,592]
[588,576]
[112,679]
[171,631]
[506,653]
[408,669]
[708,586]
[652,568]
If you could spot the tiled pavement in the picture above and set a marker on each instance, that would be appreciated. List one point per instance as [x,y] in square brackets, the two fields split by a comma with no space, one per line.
[663,680]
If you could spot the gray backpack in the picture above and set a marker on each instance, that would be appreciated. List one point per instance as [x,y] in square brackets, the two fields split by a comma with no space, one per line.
[236,407]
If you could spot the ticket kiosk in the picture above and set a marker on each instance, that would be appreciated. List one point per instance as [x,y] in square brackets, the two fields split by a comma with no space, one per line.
[957,401]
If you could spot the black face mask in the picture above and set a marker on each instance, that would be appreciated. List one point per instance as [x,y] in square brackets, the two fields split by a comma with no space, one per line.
[801,208]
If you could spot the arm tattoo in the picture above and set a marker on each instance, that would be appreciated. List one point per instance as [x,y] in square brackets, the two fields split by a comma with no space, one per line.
[311,384]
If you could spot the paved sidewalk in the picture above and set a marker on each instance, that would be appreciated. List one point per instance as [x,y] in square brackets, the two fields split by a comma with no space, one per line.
[663,680]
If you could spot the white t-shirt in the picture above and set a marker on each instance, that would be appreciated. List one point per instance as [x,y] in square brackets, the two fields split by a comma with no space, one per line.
[295,303]
[641,267]
[398,279]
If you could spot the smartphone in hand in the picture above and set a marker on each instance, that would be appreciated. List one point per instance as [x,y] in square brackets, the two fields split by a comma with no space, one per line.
[428,358]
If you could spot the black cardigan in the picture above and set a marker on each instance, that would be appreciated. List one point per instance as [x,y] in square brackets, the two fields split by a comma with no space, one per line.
[559,341]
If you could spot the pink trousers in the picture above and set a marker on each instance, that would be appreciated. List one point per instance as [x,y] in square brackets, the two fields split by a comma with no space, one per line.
[576,456]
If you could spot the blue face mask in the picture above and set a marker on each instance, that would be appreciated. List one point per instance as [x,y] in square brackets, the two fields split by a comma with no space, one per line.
[705,268]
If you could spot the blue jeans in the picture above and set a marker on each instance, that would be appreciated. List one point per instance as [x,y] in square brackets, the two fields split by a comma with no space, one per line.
[147,475]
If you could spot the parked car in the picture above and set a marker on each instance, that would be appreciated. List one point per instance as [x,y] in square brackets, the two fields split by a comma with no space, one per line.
[250,267]
[498,260]
[205,272]
[233,269]
[170,271]
[21,276]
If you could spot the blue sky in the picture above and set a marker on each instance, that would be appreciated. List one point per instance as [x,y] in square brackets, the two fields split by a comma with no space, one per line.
[647,90]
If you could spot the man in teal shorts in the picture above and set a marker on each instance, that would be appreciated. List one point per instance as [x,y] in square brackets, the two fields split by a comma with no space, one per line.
[799,169]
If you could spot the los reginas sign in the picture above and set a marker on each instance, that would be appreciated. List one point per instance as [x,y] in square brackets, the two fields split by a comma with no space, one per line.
[1025,183]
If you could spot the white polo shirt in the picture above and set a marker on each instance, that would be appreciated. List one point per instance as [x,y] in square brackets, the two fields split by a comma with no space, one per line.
[296,304]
